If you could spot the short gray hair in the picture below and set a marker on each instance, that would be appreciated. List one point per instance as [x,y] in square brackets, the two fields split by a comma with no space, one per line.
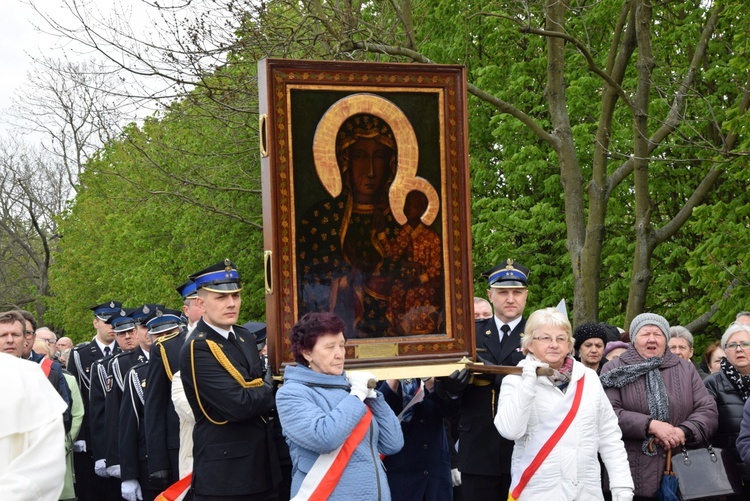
[681,332]
[733,329]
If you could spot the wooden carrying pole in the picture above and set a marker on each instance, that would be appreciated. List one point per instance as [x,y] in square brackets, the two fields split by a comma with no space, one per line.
[504,370]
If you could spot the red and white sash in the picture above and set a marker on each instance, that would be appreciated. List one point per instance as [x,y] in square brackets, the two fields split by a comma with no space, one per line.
[546,437]
[177,490]
[326,472]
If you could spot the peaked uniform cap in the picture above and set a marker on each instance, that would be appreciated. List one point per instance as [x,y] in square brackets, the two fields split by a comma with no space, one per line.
[188,290]
[163,320]
[259,331]
[510,275]
[142,312]
[106,310]
[121,321]
[222,278]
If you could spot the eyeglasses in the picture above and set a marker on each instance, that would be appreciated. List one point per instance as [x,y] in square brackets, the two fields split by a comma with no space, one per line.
[744,345]
[548,340]
[50,341]
[28,333]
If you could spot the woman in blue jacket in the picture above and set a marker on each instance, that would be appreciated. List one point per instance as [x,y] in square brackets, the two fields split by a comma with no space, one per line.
[336,426]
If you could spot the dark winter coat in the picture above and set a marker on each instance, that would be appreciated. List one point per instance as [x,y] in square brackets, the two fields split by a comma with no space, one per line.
[690,405]
[730,405]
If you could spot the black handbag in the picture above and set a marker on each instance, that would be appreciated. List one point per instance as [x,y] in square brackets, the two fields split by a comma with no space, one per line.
[706,473]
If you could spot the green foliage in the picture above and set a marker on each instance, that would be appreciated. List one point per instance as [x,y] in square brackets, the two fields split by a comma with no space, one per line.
[180,191]
[163,201]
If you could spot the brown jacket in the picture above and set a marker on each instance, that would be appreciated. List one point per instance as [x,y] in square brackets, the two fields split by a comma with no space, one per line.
[690,405]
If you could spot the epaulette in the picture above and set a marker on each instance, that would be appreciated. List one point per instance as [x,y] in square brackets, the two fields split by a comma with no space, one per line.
[81,345]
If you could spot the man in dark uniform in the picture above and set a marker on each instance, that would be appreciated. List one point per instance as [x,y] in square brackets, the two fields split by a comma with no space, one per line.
[483,455]
[103,383]
[133,453]
[162,425]
[89,486]
[135,342]
[233,440]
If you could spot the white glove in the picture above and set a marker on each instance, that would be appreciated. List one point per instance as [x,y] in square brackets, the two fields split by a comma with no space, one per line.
[79,446]
[456,477]
[372,393]
[529,368]
[100,468]
[622,494]
[359,381]
[114,471]
[131,490]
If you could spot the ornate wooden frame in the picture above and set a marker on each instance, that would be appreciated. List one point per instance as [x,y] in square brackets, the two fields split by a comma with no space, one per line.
[426,107]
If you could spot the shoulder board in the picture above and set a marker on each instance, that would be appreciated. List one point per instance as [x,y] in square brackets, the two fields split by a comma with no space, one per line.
[81,345]
[167,337]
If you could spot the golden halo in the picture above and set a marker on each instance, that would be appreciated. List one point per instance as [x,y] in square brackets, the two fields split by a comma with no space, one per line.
[405,180]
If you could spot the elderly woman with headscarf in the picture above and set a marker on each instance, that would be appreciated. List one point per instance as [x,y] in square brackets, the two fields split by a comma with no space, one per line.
[730,386]
[660,401]
[560,422]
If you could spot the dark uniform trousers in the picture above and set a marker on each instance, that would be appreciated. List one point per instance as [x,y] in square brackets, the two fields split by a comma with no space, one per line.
[234,455]
[484,456]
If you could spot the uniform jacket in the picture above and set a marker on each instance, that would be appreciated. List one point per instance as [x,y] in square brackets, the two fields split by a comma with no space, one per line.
[162,423]
[232,432]
[481,449]
[318,413]
[690,405]
[422,469]
[131,434]
[730,405]
[572,466]
[101,383]
[118,369]
[82,356]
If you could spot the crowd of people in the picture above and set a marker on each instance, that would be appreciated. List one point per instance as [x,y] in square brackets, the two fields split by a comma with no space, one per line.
[183,405]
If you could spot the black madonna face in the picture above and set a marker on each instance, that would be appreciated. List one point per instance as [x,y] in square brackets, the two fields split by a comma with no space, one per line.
[369,167]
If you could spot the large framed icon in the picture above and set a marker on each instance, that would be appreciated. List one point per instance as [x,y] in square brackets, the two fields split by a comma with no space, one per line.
[366,207]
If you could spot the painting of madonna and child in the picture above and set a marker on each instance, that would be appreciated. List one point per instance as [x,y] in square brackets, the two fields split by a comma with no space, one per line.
[369,232]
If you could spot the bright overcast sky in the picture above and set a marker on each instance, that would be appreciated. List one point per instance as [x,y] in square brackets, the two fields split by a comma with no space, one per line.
[17,37]
[19,40]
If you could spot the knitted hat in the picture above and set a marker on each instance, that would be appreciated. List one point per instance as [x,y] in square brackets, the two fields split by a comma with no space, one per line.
[613,345]
[645,319]
[587,331]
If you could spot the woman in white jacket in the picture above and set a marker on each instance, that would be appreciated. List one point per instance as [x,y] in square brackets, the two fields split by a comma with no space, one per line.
[559,422]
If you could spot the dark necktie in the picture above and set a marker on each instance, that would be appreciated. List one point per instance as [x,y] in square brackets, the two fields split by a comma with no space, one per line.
[107,351]
[506,332]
